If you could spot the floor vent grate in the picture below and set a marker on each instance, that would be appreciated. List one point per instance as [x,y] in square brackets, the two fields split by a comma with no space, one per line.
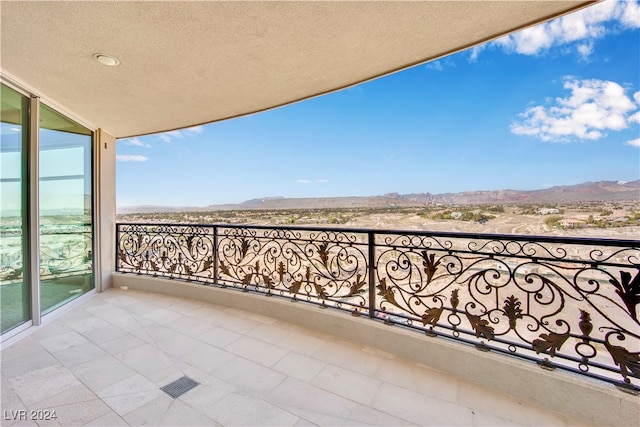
[179,387]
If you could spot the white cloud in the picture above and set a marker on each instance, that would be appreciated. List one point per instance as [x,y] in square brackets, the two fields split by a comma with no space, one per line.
[475,52]
[303,181]
[321,181]
[580,28]
[593,107]
[168,137]
[634,142]
[585,50]
[136,141]
[441,64]
[131,158]
[435,65]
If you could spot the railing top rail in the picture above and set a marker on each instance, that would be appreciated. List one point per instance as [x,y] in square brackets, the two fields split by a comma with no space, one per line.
[464,235]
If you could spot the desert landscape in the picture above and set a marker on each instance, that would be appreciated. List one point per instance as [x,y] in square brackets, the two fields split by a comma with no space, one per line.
[604,209]
[615,220]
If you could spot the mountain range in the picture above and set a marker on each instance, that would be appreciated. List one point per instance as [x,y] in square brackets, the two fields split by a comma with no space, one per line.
[587,191]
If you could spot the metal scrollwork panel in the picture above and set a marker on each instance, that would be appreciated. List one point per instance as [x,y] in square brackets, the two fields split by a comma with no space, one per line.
[175,251]
[327,267]
[569,302]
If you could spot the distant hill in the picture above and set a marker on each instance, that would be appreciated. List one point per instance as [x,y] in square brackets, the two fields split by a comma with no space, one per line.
[588,191]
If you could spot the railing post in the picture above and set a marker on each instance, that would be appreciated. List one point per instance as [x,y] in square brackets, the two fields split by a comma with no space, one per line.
[117,260]
[372,273]
[215,254]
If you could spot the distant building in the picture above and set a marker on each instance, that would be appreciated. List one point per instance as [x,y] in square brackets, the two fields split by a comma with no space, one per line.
[548,211]
[456,215]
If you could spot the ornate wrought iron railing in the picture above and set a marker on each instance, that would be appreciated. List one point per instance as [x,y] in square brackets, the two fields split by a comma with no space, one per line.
[568,303]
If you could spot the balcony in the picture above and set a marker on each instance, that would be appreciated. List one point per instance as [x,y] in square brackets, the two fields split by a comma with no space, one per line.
[292,325]
[281,326]
[104,361]
[563,304]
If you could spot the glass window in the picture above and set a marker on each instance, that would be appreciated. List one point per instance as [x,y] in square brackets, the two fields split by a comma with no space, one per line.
[66,216]
[15,306]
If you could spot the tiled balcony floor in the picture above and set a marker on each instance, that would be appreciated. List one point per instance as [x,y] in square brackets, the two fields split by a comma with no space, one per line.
[103,363]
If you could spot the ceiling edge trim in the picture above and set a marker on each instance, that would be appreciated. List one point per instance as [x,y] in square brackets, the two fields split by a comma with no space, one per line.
[29,90]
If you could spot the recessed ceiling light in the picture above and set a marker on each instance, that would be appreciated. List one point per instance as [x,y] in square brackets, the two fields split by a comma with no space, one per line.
[105,59]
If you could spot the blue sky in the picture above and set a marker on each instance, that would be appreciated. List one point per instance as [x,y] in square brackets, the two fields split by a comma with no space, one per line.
[555,104]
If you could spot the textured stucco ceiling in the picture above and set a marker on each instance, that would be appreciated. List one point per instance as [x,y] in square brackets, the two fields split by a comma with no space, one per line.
[188,63]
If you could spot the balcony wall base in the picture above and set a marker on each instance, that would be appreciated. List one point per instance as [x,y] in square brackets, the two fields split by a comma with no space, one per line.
[589,401]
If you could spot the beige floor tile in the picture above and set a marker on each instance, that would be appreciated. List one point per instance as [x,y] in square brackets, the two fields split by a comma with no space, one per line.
[364,415]
[50,329]
[189,326]
[85,323]
[75,394]
[182,306]
[301,367]
[311,403]
[162,316]
[301,342]
[250,315]
[129,394]
[506,407]
[62,342]
[237,323]
[349,356]
[79,354]
[411,376]
[207,358]
[249,377]
[270,333]
[219,337]
[6,391]
[204,395]
[109,312]
[256,351]
[145,359]
[102,372]
[418,408]
[180,414]
[351,385]
[241,410]
[43,383]
[208,313]
[110,419]
[482,419]
[150,413]
[30,362]
[123,404]
[129,322]
[104,333]
[135,384]
[76,414]
[121,344]
[178,344]
[20,349]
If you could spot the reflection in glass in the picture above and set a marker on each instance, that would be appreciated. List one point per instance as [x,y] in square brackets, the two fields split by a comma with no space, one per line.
[66,255]
[15,307]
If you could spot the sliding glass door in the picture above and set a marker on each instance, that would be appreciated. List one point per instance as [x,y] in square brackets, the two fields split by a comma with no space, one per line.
[15,295]
[66,220]
[46,215]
